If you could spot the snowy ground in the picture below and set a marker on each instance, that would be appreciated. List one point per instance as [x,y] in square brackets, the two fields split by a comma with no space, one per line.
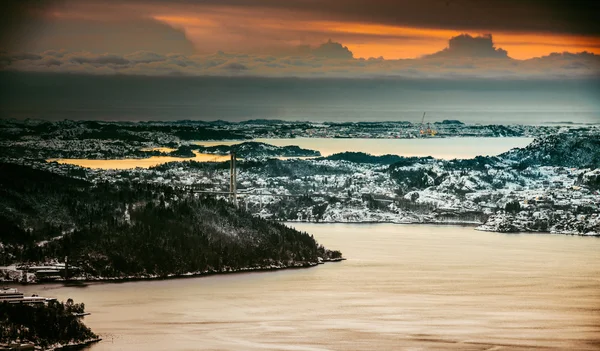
[502,194]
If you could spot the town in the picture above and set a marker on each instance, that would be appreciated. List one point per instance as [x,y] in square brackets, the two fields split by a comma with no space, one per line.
[541,188]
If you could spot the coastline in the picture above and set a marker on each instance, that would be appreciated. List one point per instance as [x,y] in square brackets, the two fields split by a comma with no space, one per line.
[74,346]
[489,230]
[184,275]
[459,223]
[53,347]
[476,226]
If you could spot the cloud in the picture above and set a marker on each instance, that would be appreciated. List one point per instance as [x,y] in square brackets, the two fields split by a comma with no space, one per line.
[145,57]
[465,57]
[54,53]
[100,60]
[7,58]
[332,50]
[399,29]
[566,62]
[26,56]
[541,16]
[52,62]
[465,45]
[234,67]
[92,29]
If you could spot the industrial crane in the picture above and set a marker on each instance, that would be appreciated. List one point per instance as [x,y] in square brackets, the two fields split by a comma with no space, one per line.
[428,131]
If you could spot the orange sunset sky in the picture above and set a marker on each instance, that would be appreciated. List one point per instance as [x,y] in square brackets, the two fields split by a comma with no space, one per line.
[392,29]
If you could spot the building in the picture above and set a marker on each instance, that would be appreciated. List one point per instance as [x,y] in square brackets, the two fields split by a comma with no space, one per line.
[12,295]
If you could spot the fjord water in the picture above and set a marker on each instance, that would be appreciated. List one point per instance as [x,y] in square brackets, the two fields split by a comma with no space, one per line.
[418,287]
[130,163]
[444,148]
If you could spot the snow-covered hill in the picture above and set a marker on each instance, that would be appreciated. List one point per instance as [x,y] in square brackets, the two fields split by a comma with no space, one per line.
[551,185]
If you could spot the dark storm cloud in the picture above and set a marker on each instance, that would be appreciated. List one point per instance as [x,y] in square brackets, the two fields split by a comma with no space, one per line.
[14,14]
[25,25]
[465,45]
[545,16]
[539,16]
[119,36]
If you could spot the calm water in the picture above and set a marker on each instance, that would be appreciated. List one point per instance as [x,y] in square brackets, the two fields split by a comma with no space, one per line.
[415,287]
[446,148]
[129,163]
[143,98]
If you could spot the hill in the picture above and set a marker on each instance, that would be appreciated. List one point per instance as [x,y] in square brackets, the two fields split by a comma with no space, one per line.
[572,149]
[130,230]
[361,157]
[47,326]
[257,150]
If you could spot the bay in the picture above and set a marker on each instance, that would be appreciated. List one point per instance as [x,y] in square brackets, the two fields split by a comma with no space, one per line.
[402,287]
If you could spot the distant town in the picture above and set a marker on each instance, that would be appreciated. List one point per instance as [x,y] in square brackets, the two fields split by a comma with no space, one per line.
[549,186]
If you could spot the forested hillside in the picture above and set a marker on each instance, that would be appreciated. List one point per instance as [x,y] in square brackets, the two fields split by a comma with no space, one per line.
[137,230]
[45,325]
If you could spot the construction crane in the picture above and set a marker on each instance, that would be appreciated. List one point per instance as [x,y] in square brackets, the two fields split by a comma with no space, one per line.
[422,126]
[428,131]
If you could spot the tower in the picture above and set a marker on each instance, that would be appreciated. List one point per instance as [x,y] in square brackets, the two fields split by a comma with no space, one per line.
[233,179]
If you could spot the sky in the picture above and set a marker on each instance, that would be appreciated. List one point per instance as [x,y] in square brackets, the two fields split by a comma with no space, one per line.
[426,38]
[369,28]
[433,40]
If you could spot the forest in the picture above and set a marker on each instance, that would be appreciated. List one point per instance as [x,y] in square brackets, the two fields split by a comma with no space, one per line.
[124,230]
[361,157]
[43,324]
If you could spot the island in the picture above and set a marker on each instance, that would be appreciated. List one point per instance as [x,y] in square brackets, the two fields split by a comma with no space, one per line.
[38,139]
[548,186]
[50,325]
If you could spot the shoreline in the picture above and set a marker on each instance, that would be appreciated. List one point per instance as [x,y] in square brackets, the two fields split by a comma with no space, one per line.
[476,226]
[179,276]
[57,347]
[594,235]
[74,346]
[457,223]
